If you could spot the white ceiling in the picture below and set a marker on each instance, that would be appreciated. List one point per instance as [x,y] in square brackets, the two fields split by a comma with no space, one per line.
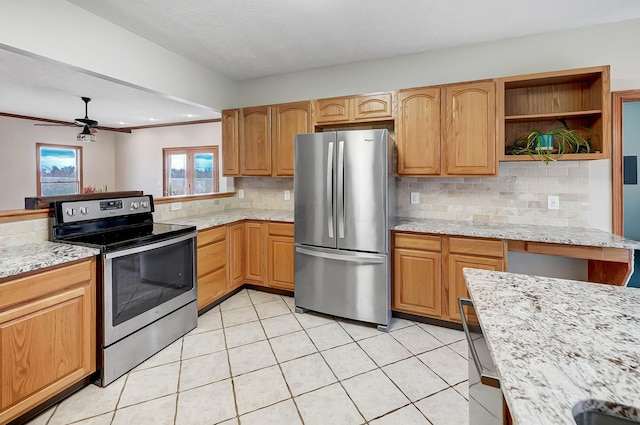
[245,39]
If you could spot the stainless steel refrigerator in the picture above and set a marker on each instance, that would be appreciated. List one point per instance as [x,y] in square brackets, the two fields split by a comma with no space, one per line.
[344,196]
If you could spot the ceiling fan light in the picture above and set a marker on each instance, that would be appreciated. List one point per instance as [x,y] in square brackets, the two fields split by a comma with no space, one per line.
[86,136]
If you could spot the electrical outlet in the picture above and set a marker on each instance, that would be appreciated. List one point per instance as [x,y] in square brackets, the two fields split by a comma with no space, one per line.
[553,202]
[287,195]
[415,197]
[175,206]
[240,193]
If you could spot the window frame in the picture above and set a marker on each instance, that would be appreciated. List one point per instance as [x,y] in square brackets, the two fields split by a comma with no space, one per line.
[190,152]
[79,164]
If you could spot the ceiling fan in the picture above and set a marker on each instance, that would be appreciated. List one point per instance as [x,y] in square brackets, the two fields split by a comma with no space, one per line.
[88,125]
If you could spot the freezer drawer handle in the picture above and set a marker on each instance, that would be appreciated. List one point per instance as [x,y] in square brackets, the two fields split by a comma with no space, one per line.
[360,258]
[341,189]
[330,189]
[486,379]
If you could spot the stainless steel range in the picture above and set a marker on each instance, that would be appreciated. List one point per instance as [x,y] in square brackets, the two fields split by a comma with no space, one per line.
[147,283]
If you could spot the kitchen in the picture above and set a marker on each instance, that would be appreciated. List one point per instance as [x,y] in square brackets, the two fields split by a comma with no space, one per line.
[265,193]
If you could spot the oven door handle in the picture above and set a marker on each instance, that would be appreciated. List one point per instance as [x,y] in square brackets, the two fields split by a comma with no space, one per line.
[141,248]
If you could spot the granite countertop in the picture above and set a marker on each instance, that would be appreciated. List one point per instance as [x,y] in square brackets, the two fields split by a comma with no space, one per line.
[19,259]
[519,232]
[205,221]
[556,342]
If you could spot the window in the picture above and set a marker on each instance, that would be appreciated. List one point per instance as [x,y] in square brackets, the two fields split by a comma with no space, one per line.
[58,169]
[190,171]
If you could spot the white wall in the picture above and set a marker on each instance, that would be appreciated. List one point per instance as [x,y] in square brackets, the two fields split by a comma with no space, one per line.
[18,140]
[139,154]
[61,31]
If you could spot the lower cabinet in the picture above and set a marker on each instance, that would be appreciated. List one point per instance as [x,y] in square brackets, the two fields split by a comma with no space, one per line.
[236,236]
[212,265]
[281,252]
[47,335]
[427,272]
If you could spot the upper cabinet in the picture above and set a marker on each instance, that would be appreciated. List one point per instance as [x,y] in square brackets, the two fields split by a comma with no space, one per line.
[349,109]
[255,141]
[418,132]
[447,130]
[578,99]
[469,129]
[288,120]
[230,143]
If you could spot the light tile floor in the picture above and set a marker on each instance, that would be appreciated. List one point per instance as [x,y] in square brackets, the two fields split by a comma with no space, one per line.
[253,360]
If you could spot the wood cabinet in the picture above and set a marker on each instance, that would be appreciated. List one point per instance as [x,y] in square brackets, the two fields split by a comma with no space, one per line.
[255,252]
[230,142]
[362,108]
[417,276]
[469,129]
[579,98]
[281,252]
[288,120]
[255,141]
[447,130]
[47,335]
[236,238]
[487,254]
[212,265]
[418,132]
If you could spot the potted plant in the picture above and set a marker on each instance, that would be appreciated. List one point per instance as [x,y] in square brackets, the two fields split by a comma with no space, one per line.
[550,145]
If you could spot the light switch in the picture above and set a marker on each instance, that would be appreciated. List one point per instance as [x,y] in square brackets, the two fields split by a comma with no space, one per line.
[240,193]
[287,195]
[415,197]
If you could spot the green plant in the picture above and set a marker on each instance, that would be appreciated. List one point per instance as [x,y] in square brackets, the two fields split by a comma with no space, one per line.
[565,140]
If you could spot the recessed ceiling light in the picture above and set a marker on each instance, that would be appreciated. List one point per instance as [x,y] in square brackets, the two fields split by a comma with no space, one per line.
[120,122]
[190,115]
[152,119]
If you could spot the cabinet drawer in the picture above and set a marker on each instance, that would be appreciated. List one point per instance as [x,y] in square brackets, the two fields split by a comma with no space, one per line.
[281,229]
[484,247]
[422,242]
[211,235]
[212,257]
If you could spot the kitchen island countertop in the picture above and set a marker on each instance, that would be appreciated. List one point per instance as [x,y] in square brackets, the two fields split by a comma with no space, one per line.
[556,342]
[15,260]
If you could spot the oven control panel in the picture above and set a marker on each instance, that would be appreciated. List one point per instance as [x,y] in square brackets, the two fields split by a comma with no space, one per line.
[93,209]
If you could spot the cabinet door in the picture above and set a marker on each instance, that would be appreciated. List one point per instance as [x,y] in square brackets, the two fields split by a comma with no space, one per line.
[47,336]
[469,129]
[255,264]
[255,141]
[332,110]
[456,285]
[212,272]
[235,259]
[230,143]
[287,121]
[281,270]
[417,284]
[418,132]
[373,106]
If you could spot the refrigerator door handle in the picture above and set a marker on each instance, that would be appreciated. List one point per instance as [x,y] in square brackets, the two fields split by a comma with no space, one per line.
[355,258]
[329,204]
[341,189]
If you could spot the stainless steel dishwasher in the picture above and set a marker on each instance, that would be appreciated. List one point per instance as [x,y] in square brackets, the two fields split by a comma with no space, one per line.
[485,396]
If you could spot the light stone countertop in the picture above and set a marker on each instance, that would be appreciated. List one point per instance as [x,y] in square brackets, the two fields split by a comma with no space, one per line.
[556,342]
[205,221]
[15,260]
[519,232]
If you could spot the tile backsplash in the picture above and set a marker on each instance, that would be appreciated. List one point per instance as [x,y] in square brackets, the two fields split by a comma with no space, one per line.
[517,196]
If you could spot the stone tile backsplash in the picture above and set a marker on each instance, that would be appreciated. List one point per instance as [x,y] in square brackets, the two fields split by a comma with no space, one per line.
[517,196]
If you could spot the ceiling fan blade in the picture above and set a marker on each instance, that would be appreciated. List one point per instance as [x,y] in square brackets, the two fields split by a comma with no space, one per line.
[56,125]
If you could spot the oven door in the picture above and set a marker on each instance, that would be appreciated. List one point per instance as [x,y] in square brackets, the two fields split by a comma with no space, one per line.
[145,283]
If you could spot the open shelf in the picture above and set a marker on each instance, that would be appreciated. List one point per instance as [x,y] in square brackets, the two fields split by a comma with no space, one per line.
[565,157]
[578,98]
